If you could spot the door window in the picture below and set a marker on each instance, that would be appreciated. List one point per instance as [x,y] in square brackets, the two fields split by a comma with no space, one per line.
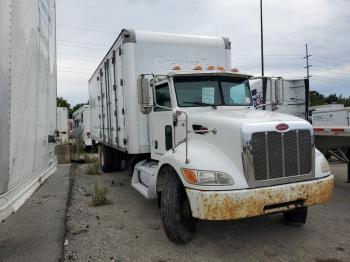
[163,97]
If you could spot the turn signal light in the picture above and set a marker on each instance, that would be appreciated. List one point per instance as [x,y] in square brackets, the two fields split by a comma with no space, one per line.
[190,175]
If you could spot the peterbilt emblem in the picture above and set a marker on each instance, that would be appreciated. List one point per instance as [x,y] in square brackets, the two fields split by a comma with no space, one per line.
[282,127]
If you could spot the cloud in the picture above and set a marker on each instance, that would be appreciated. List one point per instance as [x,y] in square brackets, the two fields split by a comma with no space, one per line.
[86,30]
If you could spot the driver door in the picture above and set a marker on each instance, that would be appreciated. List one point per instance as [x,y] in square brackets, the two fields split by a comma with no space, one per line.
[161,121]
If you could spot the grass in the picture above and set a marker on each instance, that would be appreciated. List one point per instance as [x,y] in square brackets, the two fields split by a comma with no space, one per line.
[90,158]
[93,169]
[99,196]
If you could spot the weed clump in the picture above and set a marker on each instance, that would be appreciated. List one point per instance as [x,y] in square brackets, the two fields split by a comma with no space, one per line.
[93,169]
[90,158]
[99,196]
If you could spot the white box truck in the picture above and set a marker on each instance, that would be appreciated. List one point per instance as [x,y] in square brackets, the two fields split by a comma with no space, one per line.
[170,105]
[27,99]
[82,125]
[62,125]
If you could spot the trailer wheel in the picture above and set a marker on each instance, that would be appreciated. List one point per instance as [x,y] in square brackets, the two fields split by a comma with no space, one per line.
[110,158]
[296,216]
[117,160]
[178,223]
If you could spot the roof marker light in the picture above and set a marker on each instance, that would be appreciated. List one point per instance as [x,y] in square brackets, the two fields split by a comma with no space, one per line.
[176,67]
[234,70]
[198,67]
[211,67]
[221,68]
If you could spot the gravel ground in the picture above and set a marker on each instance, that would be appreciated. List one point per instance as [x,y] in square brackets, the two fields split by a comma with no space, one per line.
[130,229]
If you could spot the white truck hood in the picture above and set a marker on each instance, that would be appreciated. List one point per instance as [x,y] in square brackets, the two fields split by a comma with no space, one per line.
[238,117]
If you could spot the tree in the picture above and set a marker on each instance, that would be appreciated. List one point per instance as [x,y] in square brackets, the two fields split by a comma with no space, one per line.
[77,106]
[61,102]
[316,98]
[332,99]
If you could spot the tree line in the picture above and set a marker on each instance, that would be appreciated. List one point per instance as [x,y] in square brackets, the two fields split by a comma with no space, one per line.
[61,102]
[317,99]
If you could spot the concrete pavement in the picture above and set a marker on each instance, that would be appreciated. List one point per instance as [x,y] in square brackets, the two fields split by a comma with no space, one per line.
[36,231]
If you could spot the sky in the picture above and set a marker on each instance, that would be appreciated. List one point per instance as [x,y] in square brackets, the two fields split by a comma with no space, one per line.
[86,30]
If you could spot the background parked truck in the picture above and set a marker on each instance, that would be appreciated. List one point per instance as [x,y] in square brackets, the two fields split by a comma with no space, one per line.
[62,125]
[27,99]
[82,125]
[185,123]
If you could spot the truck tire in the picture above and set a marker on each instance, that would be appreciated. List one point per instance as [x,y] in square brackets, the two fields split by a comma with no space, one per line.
[110,159]
[178,223]
[296,216]
[117,160]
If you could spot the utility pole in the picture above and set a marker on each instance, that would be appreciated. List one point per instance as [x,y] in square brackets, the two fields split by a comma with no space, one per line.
[261,39]
[307,85]
[307,63]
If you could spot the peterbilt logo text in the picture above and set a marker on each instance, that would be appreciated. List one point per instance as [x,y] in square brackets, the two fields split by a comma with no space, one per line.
[282,127]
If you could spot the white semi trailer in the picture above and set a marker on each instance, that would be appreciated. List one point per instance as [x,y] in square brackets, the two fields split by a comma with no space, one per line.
[82,125]
[332,131]
[192,138]
[27,99]
[62,125]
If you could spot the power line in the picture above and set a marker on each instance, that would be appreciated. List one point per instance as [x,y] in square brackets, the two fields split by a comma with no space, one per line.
[330,79]
[81,46]
[85,29]
[75,83]
[80,43]
[331,59]
[331,70]
[78,59]
[87,56]
[76,72]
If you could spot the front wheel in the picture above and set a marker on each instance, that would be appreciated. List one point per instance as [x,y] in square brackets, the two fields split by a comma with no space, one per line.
[178,223]
[296,216]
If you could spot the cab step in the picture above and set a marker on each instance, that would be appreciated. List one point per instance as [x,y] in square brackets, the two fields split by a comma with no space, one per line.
[144,178]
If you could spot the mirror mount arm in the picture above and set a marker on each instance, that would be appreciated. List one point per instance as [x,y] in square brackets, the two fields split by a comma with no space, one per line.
[176,114]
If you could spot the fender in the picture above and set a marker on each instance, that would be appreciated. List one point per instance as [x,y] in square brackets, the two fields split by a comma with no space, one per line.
[318,158]
[202,156]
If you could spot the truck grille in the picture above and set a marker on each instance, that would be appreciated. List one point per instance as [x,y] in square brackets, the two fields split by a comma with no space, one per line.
[278,155]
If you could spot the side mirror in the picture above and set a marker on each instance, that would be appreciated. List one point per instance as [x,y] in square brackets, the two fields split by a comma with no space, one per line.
[144,95]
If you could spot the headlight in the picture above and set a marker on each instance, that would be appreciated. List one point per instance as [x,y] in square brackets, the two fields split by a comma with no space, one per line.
[207,178]
[324,166]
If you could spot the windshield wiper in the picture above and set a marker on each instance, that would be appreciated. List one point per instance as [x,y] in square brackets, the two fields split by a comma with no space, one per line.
[199,103]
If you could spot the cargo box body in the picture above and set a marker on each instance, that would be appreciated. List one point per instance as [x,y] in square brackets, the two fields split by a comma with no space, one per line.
[116,118]
[82,124]
[290,94]
[27,99]
[330,115]
[62,124]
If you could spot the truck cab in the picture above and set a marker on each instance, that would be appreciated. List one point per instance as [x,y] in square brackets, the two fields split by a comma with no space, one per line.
[213,156]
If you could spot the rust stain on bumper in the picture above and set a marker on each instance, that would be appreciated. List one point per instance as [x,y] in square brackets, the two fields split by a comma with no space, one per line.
[223,205]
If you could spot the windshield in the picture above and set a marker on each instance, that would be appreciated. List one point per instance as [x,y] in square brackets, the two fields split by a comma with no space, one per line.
[212,91]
